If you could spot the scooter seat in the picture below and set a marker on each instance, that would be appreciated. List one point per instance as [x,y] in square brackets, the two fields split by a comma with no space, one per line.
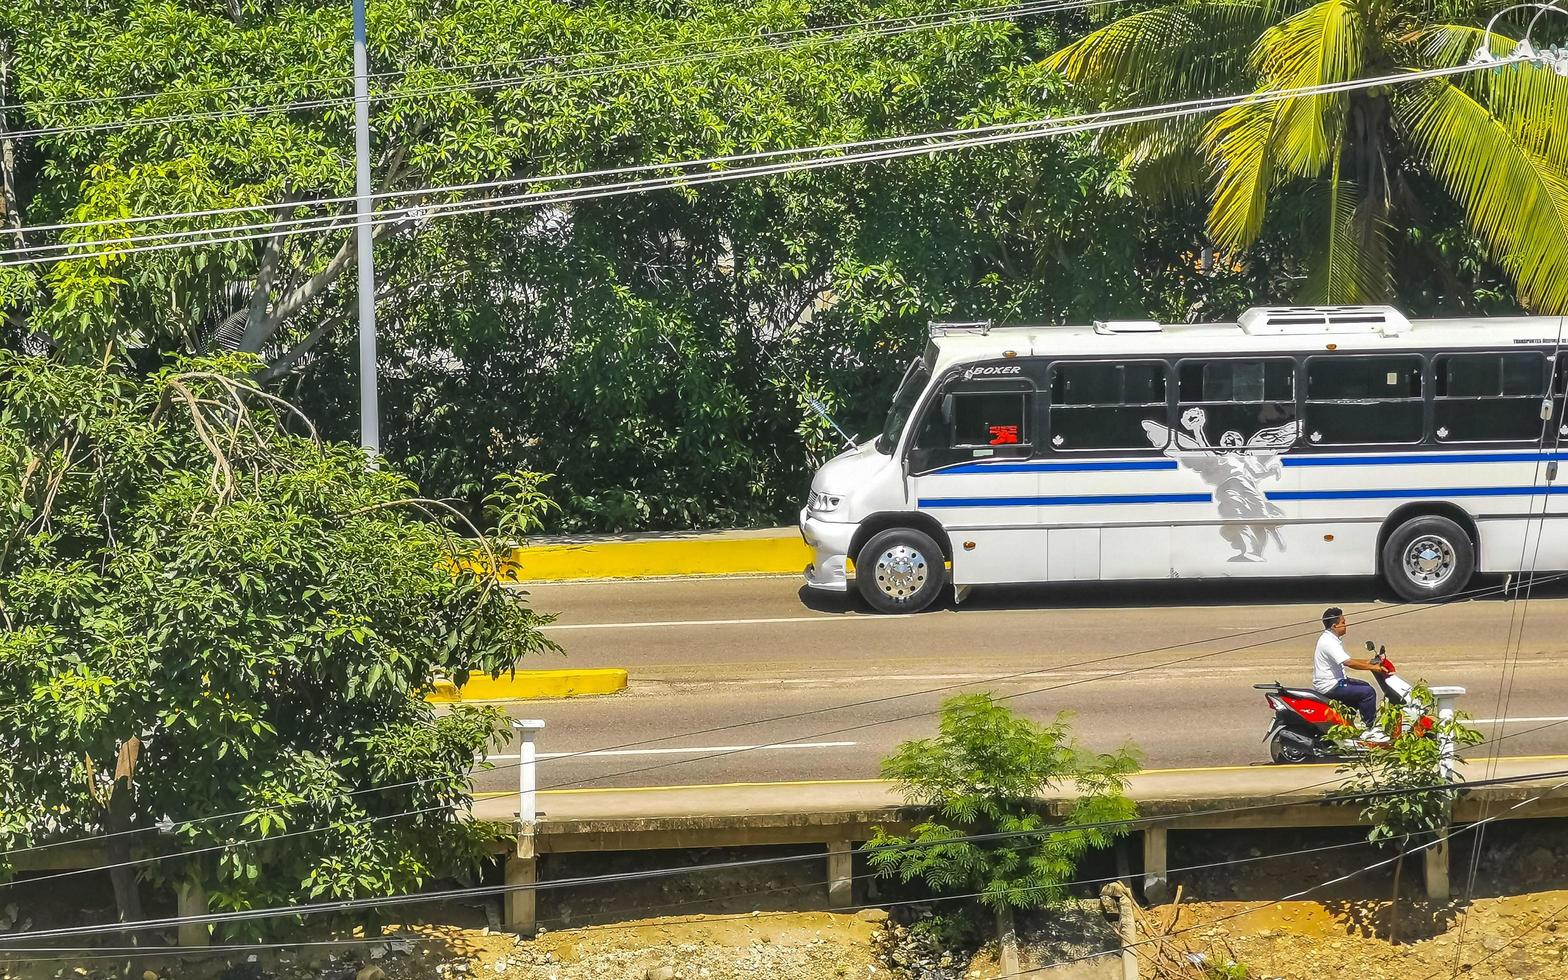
[1304,694]
[1300,693]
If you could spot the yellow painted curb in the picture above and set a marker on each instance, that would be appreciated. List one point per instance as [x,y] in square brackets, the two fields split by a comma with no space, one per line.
[528,684]
[751,555]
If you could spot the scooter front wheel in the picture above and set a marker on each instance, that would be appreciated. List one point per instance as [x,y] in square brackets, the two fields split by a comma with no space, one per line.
[1283,751]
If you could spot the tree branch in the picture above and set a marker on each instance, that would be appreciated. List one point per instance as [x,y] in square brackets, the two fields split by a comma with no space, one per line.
[260,326]
[8,201]
[256,313]
[285,363]
[295,300]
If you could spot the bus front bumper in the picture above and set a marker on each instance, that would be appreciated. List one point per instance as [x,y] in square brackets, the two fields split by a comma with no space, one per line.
[829,543]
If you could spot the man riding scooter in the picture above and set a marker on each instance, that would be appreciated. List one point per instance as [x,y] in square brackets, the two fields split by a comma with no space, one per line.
[1329,661]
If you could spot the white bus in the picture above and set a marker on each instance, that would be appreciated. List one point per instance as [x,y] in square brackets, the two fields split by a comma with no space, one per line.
[1298,441]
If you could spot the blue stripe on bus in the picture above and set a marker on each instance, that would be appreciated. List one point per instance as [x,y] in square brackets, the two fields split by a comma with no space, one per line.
[1407,459]
[1203,498]
[1083,466]
[1105,498]
[1113,465]
[1418,493]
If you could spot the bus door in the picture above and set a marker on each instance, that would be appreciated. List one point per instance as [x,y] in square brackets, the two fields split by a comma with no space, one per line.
[969,467]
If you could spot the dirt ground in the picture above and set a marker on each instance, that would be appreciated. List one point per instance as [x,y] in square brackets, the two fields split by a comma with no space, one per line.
[1493,939]
[1503,938]
[754,946]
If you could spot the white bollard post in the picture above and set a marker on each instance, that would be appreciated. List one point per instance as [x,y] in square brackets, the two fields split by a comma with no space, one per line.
[527,775]
[1446,696]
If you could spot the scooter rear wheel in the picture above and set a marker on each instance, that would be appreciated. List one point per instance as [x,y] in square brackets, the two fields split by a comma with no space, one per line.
[1286,752]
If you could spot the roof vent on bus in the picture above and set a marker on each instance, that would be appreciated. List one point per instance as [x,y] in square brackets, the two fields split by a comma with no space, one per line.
[1281,320]
[940,329]
[1127,326]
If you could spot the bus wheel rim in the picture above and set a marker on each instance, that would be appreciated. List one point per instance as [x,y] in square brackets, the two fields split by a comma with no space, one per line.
[1429,560]
[900,572]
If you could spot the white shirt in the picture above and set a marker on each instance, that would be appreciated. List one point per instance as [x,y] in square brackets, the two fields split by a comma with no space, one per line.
[1328,662]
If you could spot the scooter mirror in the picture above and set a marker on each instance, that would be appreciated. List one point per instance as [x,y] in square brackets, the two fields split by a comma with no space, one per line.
[1371,646]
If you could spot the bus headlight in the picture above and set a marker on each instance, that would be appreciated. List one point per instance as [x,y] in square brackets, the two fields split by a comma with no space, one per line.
[823,503]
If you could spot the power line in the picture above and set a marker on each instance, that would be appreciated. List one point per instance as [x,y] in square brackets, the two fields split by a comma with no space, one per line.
[787,717]
[348,905]
[936,142]
[1509,673]
[1055,5]
[1305,891]
[1007,697]
[816,37]
[645,909]
[548,59]
[1479,593]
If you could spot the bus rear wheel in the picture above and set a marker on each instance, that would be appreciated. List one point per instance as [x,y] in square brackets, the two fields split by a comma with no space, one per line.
[1428,558]
[900,570]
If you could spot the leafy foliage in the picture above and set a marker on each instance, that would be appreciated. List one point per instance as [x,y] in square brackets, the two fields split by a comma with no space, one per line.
[214,620]
[655,352]
[982,774]
[1413,760]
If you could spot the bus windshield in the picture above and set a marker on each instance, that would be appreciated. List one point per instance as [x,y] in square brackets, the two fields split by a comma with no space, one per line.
[904,400]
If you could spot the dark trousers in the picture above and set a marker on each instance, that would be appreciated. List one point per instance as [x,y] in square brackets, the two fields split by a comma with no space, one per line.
[1359,695]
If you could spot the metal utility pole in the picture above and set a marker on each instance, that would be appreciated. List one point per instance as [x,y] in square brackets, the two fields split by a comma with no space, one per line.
[369,404]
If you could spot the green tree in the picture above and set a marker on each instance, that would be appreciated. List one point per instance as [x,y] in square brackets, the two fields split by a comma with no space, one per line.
[212,618]
[983,773]
[1406,810]
[654,352]
[1356,171]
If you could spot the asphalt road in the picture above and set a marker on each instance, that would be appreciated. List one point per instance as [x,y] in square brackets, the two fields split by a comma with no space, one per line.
[824,689]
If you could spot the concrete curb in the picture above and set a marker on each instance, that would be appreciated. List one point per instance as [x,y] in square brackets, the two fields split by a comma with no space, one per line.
[525,685]
[769,551]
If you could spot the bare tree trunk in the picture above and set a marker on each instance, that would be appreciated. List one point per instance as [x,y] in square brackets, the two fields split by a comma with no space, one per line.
[119,807]
[1007,941]
[8,201]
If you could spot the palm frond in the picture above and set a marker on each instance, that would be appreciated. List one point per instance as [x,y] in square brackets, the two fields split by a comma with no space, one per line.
[1515,200]
[1166,161]
[1352,263]
[1322,44]
[1164,54]
[1529,100]
[1239,145]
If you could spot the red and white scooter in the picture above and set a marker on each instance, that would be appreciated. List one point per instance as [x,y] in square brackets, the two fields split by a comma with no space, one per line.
[1303,718]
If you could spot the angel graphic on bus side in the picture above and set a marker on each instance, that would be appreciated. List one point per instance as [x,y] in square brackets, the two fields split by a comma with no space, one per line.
[1235,468]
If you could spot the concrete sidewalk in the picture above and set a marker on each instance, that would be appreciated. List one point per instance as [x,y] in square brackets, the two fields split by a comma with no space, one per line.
[1180,795]
[839,815]
[757,551]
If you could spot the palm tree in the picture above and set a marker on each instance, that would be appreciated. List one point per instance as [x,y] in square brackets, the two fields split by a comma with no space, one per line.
[1358,162]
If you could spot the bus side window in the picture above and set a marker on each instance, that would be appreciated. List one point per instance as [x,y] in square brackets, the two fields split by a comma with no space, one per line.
[1239,397]
[1352,398]
[1103,405]
[961,419]
[1488,397]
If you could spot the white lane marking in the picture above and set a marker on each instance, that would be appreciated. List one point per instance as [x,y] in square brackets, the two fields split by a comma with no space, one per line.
[725,622]
[1515,721]
[692,749]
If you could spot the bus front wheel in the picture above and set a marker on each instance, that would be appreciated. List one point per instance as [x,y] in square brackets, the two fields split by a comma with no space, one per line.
[1428,558]
[900,570]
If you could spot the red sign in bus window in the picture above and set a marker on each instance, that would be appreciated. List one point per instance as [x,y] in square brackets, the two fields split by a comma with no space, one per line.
[1004,435]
